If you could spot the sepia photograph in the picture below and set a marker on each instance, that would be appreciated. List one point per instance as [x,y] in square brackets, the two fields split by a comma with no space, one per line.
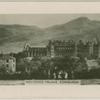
[50,48]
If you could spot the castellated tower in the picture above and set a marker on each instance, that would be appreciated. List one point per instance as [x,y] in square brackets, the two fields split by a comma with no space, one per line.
[84,49]
[98,41]
[99,51]
[51,51]
[95,48]
[76,50]
[26,49]
[91,48]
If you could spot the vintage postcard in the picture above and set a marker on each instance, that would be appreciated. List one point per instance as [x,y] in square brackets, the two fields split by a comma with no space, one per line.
[49,51]
[50,48]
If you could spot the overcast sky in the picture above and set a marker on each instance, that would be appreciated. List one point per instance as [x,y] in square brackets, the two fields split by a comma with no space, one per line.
[43,20]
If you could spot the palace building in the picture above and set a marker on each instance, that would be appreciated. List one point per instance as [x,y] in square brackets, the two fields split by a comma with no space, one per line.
[59,48]
[35,51]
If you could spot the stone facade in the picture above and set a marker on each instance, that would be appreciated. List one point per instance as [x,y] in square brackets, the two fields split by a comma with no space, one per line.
[9,63]
[35,51]
[59,48]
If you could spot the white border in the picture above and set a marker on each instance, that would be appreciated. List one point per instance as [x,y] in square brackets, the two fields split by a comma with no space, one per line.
[50,91]
[49,7]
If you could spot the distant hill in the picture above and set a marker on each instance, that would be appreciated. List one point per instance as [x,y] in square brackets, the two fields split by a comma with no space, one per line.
[80,28]
[17,33]
[14,37]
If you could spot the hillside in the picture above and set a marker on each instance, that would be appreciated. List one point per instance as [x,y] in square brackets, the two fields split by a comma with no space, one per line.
[14,37]
[80,28]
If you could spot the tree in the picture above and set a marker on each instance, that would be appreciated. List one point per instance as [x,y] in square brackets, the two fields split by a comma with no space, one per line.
[47,68]
[3,70]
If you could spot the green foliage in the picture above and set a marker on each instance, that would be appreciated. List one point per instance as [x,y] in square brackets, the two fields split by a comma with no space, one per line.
[3,70]
[44,69]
